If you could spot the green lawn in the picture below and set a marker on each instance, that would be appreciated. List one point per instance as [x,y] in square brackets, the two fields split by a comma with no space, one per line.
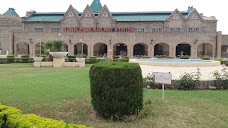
[60,93]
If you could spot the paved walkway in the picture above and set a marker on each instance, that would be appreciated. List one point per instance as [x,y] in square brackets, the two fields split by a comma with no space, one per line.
[206,72]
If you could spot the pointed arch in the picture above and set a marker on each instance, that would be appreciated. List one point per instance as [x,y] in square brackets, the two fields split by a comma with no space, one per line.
[183,49]
[161,49]
[100,49]
[65,47]
[120,49]
[205,49]
[140,49]
[80,48]
[22,48]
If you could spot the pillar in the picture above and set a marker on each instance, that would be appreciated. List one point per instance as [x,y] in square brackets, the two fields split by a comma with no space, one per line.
[174,51]
[90,50]
[214,51]
[32,49]
[193,55]
[70,49]
[170,51]
[219,44]
[149,50]
[11,43]
[130,51]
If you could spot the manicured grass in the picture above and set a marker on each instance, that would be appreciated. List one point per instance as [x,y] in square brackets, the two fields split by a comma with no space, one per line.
[60,93]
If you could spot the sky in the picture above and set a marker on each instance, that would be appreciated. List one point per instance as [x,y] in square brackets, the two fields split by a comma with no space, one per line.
[215,8]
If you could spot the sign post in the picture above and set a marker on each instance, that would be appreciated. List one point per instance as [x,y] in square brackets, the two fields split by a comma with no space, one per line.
[163,78]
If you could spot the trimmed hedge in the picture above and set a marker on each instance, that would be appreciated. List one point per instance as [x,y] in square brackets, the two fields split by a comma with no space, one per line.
[10,58]
[205,57]
[116,89]
[91,60]
[184,57]
[13,118]
[224,62]
[16,60]
[146,57]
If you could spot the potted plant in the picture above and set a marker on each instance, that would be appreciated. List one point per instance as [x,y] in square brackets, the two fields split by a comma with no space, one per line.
[54,47]
[80,58]
[38,58]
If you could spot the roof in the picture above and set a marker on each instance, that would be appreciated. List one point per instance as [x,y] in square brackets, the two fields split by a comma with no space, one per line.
[12,12]
[96,6]
[143,16]
[119,16]
[45,17]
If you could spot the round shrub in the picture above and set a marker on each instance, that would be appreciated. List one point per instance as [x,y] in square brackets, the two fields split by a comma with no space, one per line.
[116,89]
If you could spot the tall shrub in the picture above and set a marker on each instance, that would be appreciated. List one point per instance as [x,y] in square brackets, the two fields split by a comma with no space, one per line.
[116,89]
[188,81]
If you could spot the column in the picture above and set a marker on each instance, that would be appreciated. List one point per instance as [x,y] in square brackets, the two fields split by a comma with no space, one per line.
[11,43]
[214,52]
[192,51]
[219,44]
[174,51]
[170,50]
[70,49]
[149,50]
[152,50]
[130,51]
[32,50]
[91,49]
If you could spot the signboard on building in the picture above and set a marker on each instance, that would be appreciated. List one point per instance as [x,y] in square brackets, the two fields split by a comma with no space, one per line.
[77,29]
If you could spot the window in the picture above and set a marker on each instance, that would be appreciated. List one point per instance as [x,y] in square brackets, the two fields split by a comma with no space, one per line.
[55,29]
[139,29]
[175,17]
[71,15]
[39,29]
[175,29]
[87,14]
[193,29]
[105,14]
[157,29]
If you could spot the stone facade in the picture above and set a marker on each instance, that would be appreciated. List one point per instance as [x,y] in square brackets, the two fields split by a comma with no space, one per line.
[181,33]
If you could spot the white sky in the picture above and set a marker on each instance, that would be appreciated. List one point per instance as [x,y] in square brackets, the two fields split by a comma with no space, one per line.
[215,8]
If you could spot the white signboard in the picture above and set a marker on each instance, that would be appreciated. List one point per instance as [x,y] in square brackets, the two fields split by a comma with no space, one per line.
[163,78]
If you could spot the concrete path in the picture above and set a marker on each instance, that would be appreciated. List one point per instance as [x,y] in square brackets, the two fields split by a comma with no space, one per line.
[206,72]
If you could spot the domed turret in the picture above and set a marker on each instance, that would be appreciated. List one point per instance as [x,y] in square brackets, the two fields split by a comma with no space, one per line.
[12,12]
[96,6]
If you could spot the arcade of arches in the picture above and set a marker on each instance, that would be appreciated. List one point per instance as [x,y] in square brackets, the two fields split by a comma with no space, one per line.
[122,49]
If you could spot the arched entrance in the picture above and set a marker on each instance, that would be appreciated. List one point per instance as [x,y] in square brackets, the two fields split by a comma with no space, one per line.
[161,49]
[78,49]
[183,50]
[100,50]
[205,49]
[22,48]
[65,47]
[140,50]
[120,49]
